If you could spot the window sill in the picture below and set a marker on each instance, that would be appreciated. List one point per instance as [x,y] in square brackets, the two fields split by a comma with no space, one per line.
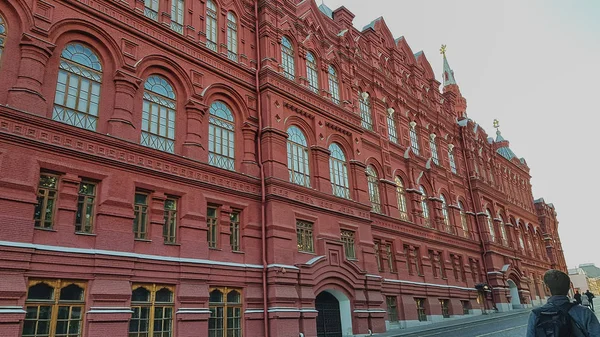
[214,248]
[353,259]
[45,229]
[142,240]
[172,244]
[238,252]
[304,252]
[85,234]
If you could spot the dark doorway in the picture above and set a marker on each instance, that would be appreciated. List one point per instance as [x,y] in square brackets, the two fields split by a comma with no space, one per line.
[329,322]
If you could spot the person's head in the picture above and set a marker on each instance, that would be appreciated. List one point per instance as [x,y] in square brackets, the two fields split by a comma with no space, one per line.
[558,282]
[577,291]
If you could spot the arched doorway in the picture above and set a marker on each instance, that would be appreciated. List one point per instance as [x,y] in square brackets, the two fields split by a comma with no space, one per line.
[334,317]
[514,295]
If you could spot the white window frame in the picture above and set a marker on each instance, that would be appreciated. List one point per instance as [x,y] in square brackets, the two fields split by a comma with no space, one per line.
[211,25]
[232,43]
[338,172]
[298,157]
[221,136]
[287,58]
[158,114]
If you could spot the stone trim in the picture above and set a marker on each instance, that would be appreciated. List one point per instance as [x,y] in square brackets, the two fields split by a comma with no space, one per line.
[110,310]
[193,311]
[12,310]
[428,284]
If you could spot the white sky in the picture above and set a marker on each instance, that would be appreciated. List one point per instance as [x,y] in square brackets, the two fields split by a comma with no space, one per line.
[534,65]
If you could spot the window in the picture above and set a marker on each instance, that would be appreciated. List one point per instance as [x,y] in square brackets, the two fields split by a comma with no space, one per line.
[348,242]
[213,227]
[391,124]
[365,110]
[490,225]
[304,235]
[392,308]
[140,221]
[466,306]
[221,137]
[373,183]
[503,235]
[529,245]
[445,214]
[84,218]
[46,198]
[474,265]
[338,172]
[234,228]
[170,225]
[232,37]
[437,264]
[297,153]
[151,9]
[412,259]
[225,306]
[414,139]
[78,87]
[420,302]
[521,242]
[433,148]
[54,308]
[389,251]
[401,196]
[455,266]
[451,159]
[158,115]
[424,206]
[333,85]
[152,307]
[177,10]
[463,219]
[377,249]
[445,310]
[211,25]
[312,72]
[2,35]
[287,58]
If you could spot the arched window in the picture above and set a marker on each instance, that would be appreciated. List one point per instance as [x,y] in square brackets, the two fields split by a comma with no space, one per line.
[287,58]
[521,241]
[151,9]
[297,154]
[424,206]
[221,136]
[433,148]
[373,183]
[158,115]
[503,231]
[445,214]
[401,195]
[490,225]
[177,11]
[334,88]
[338,172]
[392,134]
[78,87]
[365,110]
[463,219]
[414,138]
[211,25]
[529,245]
[312,73]
[2,35]
[232,45]
[451,159]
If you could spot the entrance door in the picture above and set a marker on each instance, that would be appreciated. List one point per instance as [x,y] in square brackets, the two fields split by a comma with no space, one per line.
[329,323]
[514,295]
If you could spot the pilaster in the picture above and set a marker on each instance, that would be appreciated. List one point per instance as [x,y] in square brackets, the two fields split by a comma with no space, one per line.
[192,145]
[121,123]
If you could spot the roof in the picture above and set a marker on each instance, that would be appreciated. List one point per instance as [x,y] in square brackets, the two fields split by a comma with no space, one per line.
[326,10]
[590,270]
[417,54]
[448,73]
[505,151]
[372,24]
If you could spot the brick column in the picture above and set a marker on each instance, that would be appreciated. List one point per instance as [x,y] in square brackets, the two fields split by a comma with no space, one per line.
[193,312]
[121,123]
[319,157]
[109,308]
[358,186]
[250,159]
[192,145]
[27,92]
[389,199]
[12,296]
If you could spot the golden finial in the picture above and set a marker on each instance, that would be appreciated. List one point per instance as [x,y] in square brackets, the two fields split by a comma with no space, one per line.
[443,50]
[496,124]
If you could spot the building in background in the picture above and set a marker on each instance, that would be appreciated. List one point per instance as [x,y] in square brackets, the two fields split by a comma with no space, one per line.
[579,280]
[592,276]
[229,168]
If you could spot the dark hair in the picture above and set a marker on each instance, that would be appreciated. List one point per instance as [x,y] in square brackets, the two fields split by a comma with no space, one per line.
[557,281]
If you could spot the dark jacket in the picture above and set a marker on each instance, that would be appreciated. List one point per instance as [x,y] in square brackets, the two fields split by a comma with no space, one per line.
[580,314]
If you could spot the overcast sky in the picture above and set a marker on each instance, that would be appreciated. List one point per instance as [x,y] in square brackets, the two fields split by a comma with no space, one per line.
[534,65]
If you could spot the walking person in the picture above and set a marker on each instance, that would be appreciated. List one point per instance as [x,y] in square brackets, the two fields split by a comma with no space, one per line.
[577,297]
[559,317]
[590,296]
[585,301]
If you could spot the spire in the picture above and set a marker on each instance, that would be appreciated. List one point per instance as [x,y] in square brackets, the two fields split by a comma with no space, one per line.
[448,75]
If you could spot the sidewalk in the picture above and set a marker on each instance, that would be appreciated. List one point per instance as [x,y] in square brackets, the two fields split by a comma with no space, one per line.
[450,324]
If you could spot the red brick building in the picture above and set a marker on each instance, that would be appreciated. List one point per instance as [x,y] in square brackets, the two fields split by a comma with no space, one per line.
[228,168]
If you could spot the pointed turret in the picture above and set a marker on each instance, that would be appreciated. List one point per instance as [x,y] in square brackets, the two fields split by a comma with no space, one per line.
[451,90]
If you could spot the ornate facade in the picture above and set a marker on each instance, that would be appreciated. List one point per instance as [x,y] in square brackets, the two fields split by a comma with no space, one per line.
[239,168]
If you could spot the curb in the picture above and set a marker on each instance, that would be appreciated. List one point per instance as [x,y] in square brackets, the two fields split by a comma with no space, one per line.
[454,323]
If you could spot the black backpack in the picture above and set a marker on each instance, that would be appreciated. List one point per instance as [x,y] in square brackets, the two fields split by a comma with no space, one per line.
[555,321]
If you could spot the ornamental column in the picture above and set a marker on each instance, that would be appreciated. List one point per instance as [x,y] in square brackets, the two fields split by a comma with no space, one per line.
[320,166]
[359,187]
[27,92]
[121,124]
[192,145]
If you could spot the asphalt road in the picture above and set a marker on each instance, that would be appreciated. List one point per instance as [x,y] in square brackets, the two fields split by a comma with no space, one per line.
[512,326]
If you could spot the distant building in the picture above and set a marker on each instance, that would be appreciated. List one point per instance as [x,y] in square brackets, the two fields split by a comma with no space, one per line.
[592,274]
[579,280]
[192,168]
